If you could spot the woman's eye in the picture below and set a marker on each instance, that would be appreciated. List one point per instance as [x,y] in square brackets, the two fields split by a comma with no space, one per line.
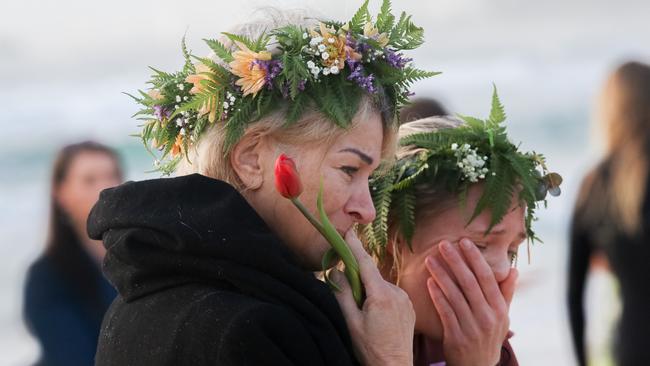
[481,246]
[349,170]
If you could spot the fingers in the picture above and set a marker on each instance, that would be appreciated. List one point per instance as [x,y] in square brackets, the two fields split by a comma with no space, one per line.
[344,297]
[483,274]
[508,285]
[370,275]
[449,288]
[446,313]
[464,275]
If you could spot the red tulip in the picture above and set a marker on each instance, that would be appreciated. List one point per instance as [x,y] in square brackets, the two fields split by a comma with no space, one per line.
[287,181]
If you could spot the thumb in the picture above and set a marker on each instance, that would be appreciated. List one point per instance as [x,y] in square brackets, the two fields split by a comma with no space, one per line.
[508,285]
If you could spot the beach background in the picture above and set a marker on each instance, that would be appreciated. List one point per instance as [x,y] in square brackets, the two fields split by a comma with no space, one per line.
[64,64]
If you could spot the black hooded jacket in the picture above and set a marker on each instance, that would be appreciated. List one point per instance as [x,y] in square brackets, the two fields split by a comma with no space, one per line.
[202,280]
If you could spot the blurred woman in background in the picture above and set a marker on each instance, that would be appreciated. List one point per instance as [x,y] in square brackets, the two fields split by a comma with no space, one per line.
[65,293]
[612,215]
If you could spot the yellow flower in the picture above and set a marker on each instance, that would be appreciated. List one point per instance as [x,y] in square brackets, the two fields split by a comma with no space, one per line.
[155,94]
[202,73]
[370,31]
[251,76]
[178,145]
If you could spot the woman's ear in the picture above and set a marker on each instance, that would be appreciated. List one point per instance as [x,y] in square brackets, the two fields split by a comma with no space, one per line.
[246,159]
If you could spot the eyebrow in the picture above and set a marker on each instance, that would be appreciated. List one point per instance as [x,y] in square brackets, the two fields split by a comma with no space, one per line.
[366,159]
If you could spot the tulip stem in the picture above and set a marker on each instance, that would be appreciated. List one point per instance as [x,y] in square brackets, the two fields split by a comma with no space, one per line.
[338,244]
[308,215]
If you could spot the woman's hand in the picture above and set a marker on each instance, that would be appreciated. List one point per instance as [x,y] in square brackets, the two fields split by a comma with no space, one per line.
[382,331]
[472,306]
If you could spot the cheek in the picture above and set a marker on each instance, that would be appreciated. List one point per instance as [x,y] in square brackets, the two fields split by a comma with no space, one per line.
[414,283]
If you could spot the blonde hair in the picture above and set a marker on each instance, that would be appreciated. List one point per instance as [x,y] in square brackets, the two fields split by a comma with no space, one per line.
[430,201]
[625,117]
[208,157]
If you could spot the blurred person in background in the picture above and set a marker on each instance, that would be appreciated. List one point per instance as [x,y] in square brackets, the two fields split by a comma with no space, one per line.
[611,219]
[66,295]
[421,108]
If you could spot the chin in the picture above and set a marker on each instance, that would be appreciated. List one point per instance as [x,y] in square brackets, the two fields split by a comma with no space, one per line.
[312,257]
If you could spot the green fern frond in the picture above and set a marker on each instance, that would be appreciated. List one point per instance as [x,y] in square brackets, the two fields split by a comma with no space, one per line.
[405,205]
[360,18]
[296,108]
[385,18]
[406,35]
[219,49]
[188,68]
[497,113]
[243,39]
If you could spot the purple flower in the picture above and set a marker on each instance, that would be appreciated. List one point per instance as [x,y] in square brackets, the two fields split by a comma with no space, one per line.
[357,75]
[285,88]
[272,69]
[396,60]
[359,47]
[161,112]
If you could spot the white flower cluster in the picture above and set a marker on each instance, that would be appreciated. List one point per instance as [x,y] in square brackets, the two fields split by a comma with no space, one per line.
[471,164]
[178,98]
[229,102]
[319,49]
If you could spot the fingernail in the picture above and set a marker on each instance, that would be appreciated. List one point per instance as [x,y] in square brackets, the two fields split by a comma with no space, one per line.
[445,247]
[466,244]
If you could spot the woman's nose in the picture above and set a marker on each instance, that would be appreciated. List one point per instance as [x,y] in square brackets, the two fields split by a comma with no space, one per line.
[360,206]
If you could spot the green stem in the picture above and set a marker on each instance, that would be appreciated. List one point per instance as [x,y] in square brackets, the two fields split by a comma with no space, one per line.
[337,242]
[343,250]
[308,215]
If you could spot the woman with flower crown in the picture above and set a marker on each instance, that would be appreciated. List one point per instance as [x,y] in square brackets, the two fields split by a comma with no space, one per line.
[217,267]
[451,214]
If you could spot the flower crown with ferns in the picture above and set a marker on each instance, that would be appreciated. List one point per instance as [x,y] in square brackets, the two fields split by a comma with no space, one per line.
[329,66]
[453,159]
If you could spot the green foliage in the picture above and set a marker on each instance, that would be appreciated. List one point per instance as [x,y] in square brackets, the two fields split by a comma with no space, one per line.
[174,119]
[296,108]
[406,35]
[385,18]
[188,68]
[381,191]
[360,18]
[219,49]
[405,206]
[511,175]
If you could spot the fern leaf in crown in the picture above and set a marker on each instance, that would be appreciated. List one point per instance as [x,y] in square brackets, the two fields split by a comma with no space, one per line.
[453,159]
[329,67]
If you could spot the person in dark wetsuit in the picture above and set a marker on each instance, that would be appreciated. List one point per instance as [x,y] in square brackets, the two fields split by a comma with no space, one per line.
[611,219]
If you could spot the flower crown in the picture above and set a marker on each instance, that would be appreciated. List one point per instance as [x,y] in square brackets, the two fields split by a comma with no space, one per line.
[329,66]
[454,159]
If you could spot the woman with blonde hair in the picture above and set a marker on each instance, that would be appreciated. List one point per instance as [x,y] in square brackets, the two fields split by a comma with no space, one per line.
[451,215]
[612,212]
[215,267]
